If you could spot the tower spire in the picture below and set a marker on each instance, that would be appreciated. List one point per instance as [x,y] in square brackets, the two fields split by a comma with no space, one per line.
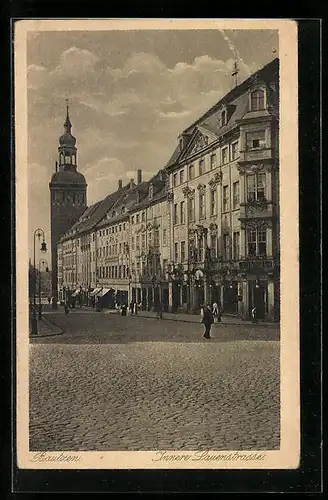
[67,123]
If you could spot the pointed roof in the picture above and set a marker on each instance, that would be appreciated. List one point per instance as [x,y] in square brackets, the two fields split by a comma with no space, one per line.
[67,123]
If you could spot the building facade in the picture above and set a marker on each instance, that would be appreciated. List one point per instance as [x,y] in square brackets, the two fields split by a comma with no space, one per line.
[204,229]
[224,196]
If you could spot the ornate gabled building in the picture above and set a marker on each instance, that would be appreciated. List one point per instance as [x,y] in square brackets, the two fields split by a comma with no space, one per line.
[204,229]
[68,194]
[224,196]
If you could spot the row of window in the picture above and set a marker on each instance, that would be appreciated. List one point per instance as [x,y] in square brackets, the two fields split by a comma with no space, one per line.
[256,239]
[152,240]
[179,211]
[135,219]
[181,177]
[255,187]
[67,159]
[64,197]
[112,272]
[254,140]
[110,230]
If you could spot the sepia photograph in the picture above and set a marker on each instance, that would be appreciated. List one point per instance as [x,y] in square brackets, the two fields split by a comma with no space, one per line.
[157,289]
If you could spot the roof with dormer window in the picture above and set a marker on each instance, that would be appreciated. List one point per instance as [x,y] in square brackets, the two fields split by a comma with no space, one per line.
[235,102]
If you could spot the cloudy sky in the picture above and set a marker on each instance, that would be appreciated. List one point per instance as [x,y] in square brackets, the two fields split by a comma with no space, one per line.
[131,93]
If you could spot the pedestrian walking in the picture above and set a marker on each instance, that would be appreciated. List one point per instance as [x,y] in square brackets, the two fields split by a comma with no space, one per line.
[49,300]
[202,313]
[123,309]
[66,308]
[131,307]
[208,321]
[254,318]
[215,312]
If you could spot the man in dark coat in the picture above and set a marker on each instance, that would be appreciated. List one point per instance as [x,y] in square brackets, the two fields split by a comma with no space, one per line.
[208,321]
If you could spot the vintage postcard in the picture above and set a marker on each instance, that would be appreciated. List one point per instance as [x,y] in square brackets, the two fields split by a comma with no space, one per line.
[157,266]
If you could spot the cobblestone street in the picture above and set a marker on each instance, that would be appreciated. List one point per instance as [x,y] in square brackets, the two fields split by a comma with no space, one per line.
[113,383]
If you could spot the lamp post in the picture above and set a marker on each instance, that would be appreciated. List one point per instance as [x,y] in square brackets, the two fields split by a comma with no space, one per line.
[41,263]
[37,233]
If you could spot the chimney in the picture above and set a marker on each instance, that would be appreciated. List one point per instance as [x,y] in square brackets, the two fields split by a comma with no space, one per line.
[120,184]
[131,183]
[139,174]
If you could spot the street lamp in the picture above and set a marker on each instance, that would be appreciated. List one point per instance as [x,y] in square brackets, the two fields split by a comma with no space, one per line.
[37,233]
[41,263]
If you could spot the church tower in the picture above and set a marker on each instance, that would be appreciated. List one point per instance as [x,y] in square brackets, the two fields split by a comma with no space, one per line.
[68,194]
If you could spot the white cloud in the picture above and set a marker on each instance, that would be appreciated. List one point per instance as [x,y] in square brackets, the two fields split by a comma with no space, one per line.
[75,62]
[139,62]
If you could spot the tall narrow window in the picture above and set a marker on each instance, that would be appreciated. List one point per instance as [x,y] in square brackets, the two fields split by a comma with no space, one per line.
[257,100]
[262,241]
[175,180]
[138,242]
[175,213]
[191,171]
[251,242]
[183,251]
[213,201]
[202,205]
[226,244]
[176,252]
[181,176]
[182,212]
[225,157]
[143,241]
[201,167]
[150,238]
[213,161]
[234,150]
[191,209]
[235,194]
[236,245]
[214,244]
[225,199]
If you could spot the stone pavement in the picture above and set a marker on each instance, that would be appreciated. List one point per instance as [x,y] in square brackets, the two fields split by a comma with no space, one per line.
[116,383]
[46,328]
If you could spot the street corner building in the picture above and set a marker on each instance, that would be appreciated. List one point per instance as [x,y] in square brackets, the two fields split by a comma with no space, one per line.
[204,229]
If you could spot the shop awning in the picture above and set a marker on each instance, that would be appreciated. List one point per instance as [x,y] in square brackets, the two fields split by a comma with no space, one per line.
[104,291]
[95,292]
